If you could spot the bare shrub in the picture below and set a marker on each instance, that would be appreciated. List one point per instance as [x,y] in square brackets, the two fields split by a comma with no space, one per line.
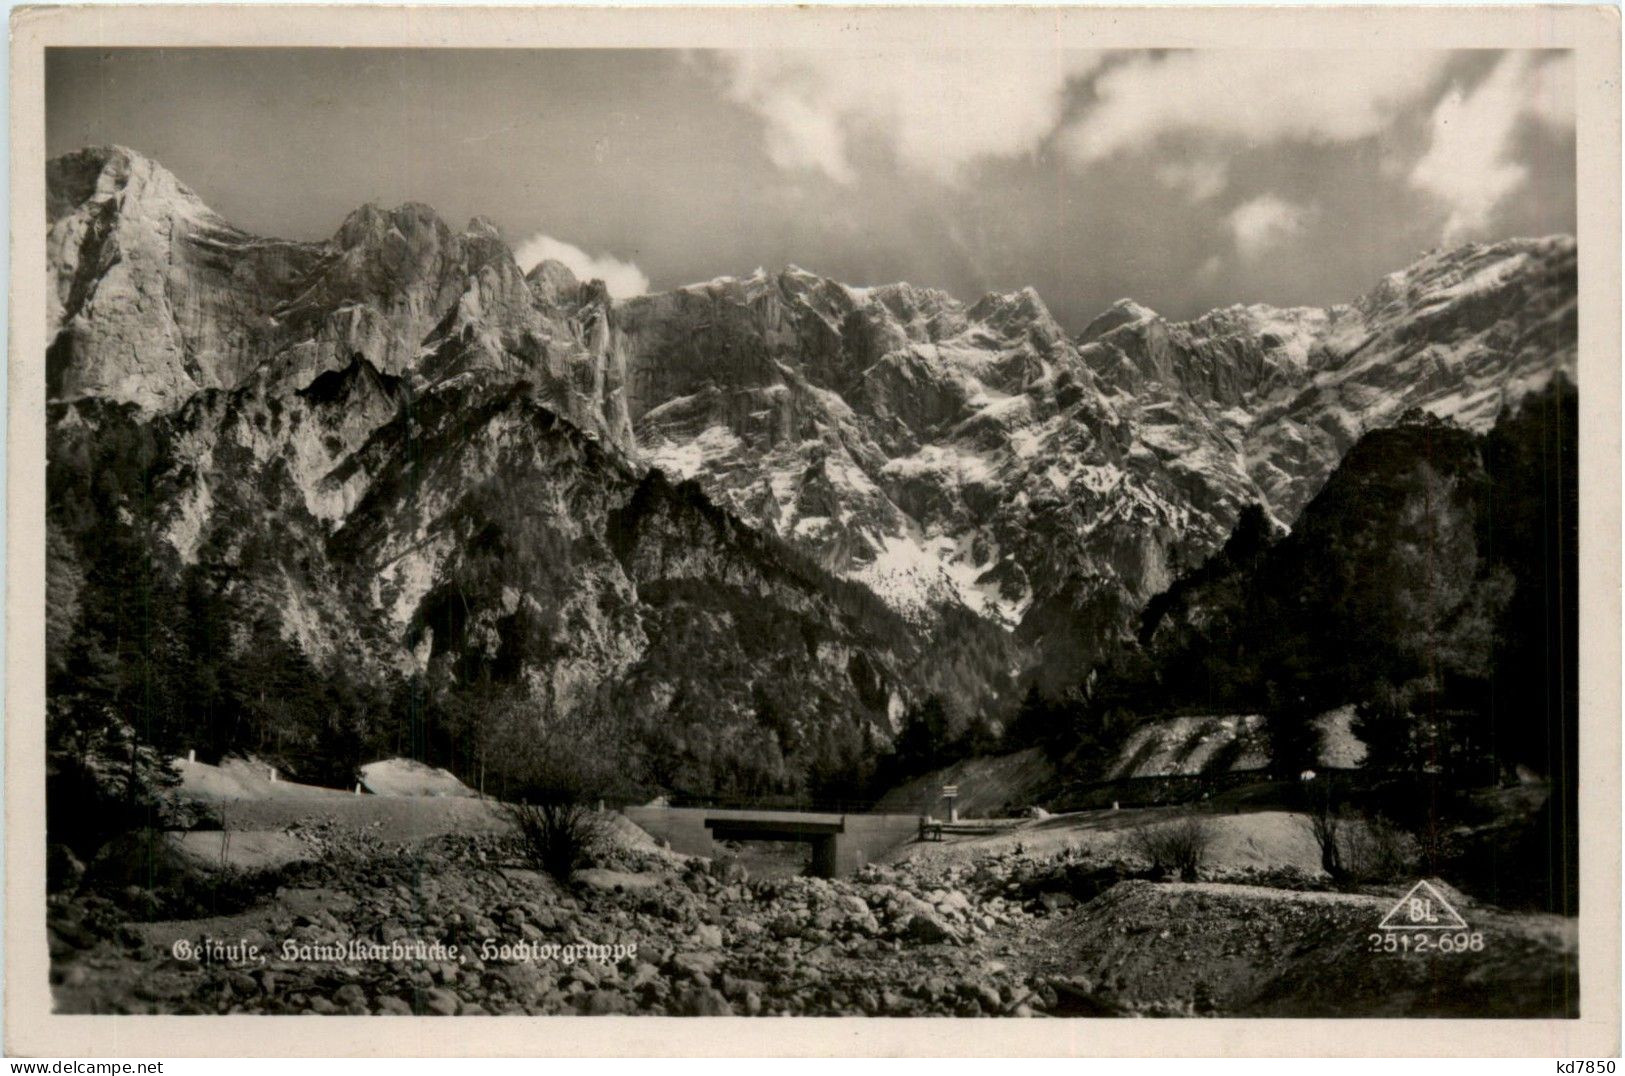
[554,770]
[1375,850]
[1356,847]
[1326,825]
[558,837]
[1174,846]
[1435,843]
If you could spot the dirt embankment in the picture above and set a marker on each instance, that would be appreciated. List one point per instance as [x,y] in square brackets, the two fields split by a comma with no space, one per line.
[1233,745]
[418,803]
[988,786]
[1245,842]
[1172,949]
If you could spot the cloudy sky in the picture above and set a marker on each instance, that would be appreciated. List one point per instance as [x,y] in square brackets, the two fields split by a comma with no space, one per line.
[1186,180]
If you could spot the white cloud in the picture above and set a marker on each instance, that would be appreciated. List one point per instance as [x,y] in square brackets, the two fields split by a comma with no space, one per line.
[938,109]
[1550,90]
[1266,222]
[1467,164]
[1200,178]
[1248,96]
[623,279]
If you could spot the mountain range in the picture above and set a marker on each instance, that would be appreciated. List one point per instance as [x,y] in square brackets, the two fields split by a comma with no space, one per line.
[755,519]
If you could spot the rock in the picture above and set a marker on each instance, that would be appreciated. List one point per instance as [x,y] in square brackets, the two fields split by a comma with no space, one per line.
[696,963]
[853,905]
[708,936]
[66,937]
[735,988]
[63,869]
[929,928]
[350,996]
[989,998]
[602,1003]
[391,1006]
[441,1002]
[596,878]
[701,1001]
[730,871]
[1054,902]
[141,902]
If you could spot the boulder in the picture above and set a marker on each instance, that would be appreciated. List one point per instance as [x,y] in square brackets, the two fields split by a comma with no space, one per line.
[928,927]
[701,1001]
[63,869]
[694,964]
[1054,902]
[441,1002]
[609,881]
[602,1003]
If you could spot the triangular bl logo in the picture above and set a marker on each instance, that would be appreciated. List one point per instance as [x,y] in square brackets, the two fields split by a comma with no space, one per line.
[1423,908]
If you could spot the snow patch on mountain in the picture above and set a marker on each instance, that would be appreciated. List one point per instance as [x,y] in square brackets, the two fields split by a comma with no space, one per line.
[916,575]
[686,459]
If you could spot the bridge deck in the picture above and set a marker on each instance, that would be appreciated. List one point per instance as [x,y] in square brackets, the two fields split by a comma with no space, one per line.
[773,825]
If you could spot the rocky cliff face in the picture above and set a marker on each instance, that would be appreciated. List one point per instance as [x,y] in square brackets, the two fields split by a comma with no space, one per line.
[414,456]
[977,455]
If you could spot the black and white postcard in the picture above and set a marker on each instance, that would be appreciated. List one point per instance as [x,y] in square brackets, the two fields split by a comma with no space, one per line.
[953,520]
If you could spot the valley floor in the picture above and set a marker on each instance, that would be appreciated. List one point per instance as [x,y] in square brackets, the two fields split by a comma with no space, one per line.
[1039,918]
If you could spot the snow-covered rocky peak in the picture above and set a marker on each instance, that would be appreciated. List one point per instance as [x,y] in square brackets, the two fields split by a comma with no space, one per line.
[1450,275]
[975,455]
[153,295]
[554,284]
[116,179]
[371,225]
[1122,312]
